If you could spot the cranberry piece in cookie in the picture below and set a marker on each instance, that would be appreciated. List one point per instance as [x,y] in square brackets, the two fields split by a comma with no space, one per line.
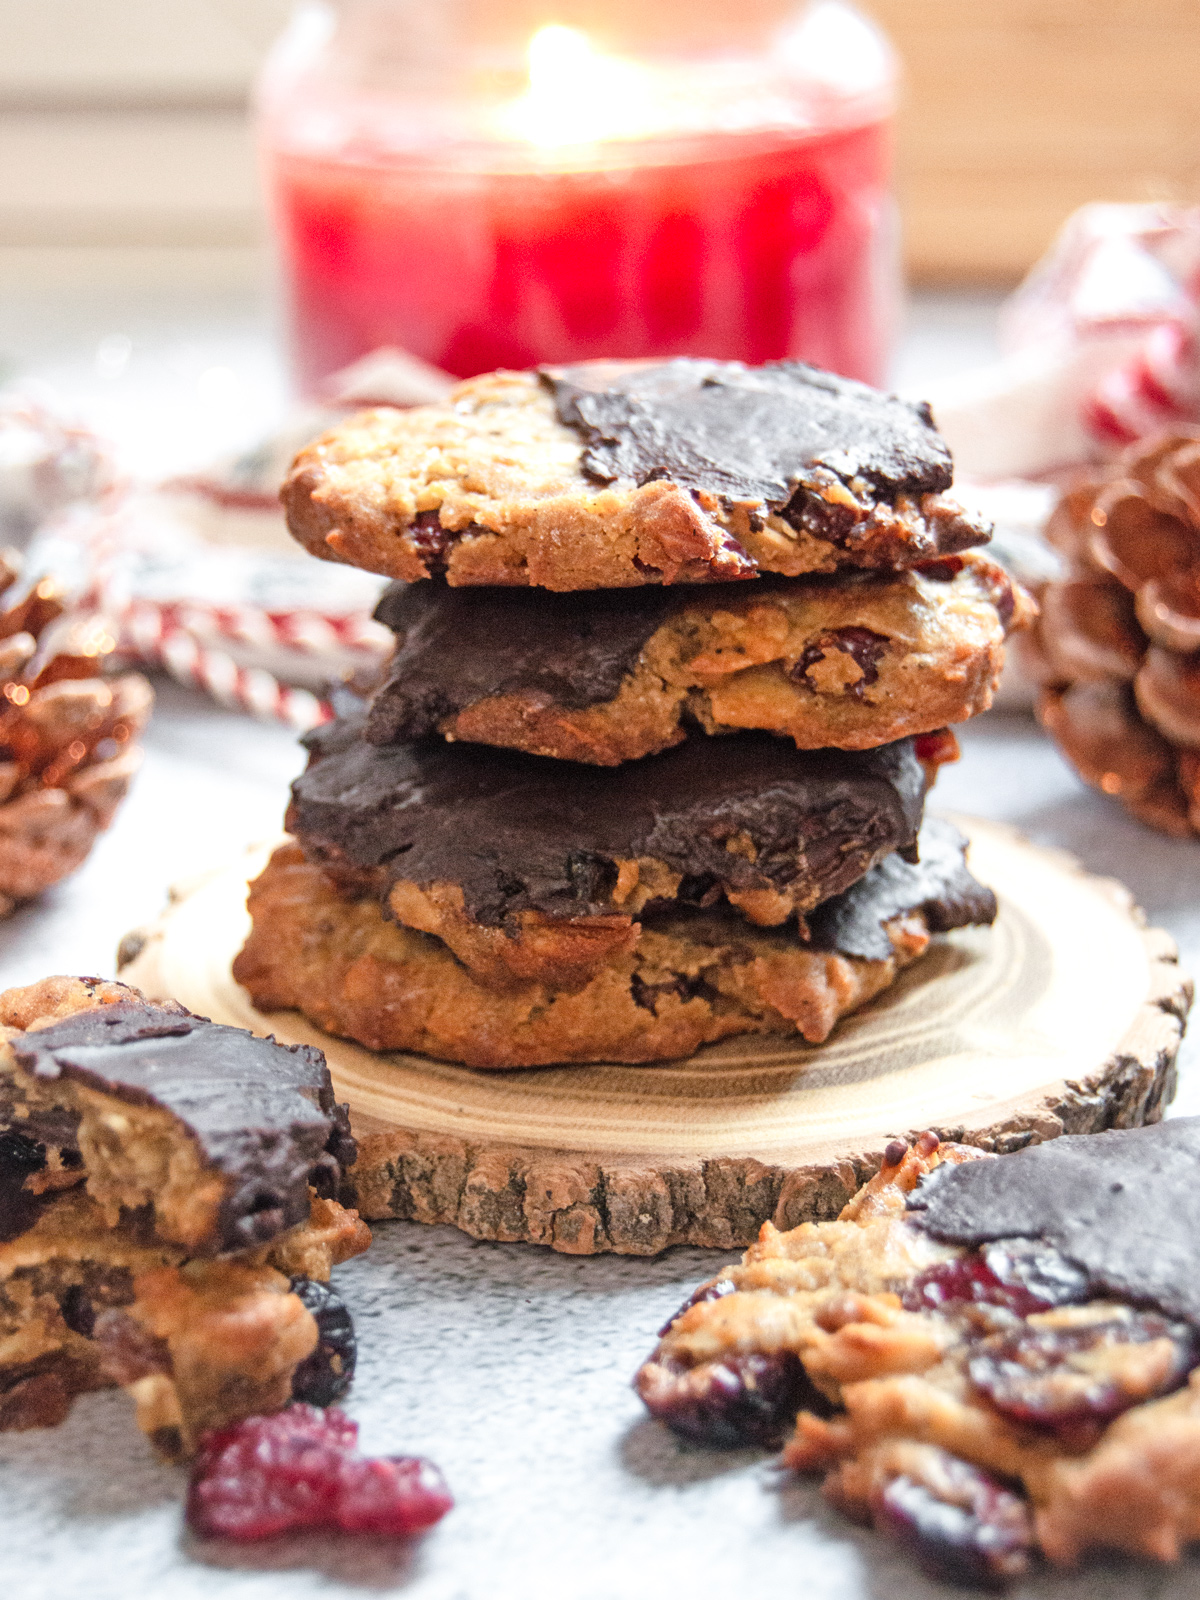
[958,1523]
[1082,1365]
[326,1374]
[740,1400]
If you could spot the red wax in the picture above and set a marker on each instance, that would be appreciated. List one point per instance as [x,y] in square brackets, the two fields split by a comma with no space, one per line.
[738,246]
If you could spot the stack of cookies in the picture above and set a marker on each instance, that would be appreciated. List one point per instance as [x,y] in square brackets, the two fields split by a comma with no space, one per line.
[677,646]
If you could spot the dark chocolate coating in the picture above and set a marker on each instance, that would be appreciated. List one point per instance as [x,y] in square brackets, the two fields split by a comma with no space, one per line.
[939,886]
[457,646]
[749,433]
[521,832]
[20,1158]
[1123,1207]
[263,1114]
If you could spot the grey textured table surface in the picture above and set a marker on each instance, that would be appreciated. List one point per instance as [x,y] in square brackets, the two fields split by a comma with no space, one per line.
[509,1365]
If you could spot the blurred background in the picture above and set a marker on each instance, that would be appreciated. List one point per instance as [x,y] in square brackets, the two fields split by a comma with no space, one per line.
[133,234]
[125,126]
[132,221]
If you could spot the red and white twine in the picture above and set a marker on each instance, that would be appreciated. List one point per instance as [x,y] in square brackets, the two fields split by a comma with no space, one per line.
[184,638]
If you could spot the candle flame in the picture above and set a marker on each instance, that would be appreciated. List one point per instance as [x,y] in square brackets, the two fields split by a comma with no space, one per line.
[555,55]
[577,95]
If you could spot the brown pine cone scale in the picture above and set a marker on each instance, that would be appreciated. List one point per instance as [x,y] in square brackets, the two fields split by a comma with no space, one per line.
[1117,645]
[68,736]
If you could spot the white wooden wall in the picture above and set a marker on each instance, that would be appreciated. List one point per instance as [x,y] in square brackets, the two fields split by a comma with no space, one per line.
[122,122]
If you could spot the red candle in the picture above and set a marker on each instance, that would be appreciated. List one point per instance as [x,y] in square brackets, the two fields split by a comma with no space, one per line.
[611,208]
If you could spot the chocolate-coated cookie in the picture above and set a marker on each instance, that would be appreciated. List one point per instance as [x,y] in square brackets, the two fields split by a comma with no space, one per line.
[196,1343]
[615,475]
[219,1135]
[157,1228]
[987,1358]
[848,662]
[536,869]
[687,979]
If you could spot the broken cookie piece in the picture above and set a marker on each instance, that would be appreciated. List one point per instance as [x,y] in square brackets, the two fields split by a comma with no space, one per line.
[987,1358]
[219,1134]
[613,475]
[168,1204]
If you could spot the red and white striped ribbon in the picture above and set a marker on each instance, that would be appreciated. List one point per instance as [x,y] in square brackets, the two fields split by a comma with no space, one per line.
[158,642]
[184,638]
[1158,388]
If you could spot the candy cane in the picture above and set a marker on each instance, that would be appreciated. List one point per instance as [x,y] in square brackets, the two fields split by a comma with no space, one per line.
[177,636]
[1157,388]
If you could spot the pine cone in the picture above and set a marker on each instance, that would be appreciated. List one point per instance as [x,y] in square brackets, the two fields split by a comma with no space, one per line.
[68,748]
[1117,646]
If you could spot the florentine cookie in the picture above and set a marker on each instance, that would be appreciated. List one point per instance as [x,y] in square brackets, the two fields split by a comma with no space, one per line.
[531,869]
[614,475]
[152,1237]
[849,662]
[687,979]
[986,1357]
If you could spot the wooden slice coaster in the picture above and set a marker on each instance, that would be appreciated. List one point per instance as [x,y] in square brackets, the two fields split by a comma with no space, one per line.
[1065,1017]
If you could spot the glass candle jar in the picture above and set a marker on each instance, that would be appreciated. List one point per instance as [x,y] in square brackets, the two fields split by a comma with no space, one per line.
[492,183]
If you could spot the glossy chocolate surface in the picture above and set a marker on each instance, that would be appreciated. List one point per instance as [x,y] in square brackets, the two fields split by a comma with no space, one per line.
[753,434]
[262,1114]
[1123,1207]
[521,832]
[457,646]
[20,1158]
[939,886]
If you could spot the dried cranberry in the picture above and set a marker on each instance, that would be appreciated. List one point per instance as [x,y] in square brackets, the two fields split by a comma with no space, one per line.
[968,1280]
[425,531]
[975,1532]
[942,569]
[19,1209]
[716,1290]
[742,1400]
[808,513]
[302,1469]
[862,646]
[128,1350]
[1048,1376]
[648,995]
[78,1312]
[433,542]
[325,1376]
[937,749]
[1021,1276]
